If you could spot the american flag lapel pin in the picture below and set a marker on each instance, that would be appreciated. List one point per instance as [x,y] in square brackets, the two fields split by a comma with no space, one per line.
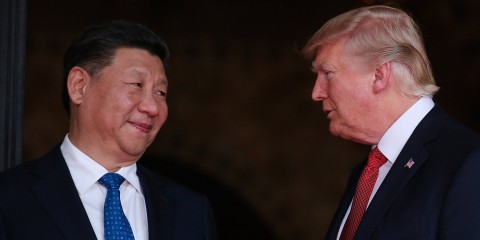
[409,163]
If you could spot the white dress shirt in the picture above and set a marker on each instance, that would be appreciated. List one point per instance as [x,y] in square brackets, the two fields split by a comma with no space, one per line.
[86,172]
[393,141]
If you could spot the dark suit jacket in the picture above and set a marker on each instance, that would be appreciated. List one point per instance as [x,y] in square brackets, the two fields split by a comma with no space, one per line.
[437,198]
[38,200]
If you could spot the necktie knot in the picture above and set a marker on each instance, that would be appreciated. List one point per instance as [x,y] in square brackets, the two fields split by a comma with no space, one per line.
[111,180]
[376,158]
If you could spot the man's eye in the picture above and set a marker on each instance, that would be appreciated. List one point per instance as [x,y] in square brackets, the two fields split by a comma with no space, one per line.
[162,93]
[328,75]
[137,84]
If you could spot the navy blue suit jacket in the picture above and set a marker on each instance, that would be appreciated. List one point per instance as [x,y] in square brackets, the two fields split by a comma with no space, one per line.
[437,198]
[38,200]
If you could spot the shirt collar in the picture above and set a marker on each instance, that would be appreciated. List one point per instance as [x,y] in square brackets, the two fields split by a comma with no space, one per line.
[395,138]
[85,171]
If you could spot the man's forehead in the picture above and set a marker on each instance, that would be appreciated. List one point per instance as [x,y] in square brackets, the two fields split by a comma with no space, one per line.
[319,61]
[327,51]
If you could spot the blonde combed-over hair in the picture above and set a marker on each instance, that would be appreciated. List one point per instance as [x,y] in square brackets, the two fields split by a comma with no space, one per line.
[377,35]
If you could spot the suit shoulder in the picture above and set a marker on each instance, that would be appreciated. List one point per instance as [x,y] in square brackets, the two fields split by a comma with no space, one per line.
[455,145]
[24,172]
[459,135]
[17,173]
[167,185]
[448,129]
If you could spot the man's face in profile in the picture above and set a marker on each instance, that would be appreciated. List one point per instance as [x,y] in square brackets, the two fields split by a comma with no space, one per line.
[345,90]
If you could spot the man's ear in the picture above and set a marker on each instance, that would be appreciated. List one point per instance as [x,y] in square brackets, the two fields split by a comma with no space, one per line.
[382,77]
[77,83]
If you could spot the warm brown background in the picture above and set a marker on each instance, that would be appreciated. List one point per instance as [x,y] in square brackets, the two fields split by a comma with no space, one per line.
[239,97]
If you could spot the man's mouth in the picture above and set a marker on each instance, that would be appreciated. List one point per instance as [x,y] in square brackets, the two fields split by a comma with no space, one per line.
[328,112]
[143,127]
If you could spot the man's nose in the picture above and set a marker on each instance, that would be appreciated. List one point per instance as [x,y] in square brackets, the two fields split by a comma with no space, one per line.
[319,92]
[149,105]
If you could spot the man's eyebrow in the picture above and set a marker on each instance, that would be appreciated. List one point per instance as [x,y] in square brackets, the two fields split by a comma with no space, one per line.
[316,66]
[164,81]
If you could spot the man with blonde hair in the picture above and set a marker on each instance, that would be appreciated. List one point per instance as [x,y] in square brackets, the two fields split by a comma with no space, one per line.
[420,180]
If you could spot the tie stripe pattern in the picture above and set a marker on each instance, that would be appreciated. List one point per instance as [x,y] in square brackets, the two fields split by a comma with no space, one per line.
[362,193]
[116,224]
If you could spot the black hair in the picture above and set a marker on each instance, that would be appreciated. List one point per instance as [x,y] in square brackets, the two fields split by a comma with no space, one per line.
[95,48]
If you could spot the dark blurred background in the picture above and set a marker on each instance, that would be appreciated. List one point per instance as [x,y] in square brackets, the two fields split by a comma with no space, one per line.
[242,128]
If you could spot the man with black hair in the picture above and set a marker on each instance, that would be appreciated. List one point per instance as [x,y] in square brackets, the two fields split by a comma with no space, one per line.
[90,186]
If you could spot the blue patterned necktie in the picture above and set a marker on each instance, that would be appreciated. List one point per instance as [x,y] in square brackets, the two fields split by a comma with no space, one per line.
[115,223]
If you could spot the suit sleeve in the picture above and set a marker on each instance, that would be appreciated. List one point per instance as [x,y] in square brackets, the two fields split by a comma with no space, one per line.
[461,212]
[2,228]
[210,227]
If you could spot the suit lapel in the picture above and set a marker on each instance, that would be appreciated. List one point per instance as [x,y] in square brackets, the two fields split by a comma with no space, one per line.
[393,184]
[58,195]
[160,209]
[399,175]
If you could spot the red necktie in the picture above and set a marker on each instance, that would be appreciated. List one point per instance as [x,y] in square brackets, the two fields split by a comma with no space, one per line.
[362,193]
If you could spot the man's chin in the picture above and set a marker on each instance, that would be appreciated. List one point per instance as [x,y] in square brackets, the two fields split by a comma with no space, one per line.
[334,130]
[135,151]
[337,132]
